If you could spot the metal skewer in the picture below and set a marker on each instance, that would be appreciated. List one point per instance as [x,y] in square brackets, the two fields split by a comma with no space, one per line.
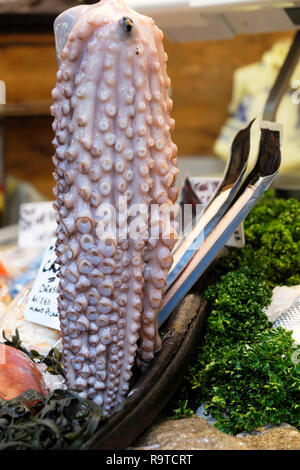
[282,81]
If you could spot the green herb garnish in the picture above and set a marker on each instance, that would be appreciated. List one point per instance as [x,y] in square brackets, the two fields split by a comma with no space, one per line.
[246,372]
[62,420]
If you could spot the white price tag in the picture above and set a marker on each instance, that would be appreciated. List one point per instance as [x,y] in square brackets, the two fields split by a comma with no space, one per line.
[205,189]
[237,240]
[37,224]
[42,303]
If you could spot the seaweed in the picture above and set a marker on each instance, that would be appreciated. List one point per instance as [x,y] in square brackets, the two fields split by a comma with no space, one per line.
[62,420]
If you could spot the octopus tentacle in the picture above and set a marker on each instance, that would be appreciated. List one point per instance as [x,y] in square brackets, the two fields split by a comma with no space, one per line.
[113,155]
[164,176]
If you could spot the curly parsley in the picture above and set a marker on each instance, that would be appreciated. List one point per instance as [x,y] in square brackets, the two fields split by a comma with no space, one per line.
[245,371]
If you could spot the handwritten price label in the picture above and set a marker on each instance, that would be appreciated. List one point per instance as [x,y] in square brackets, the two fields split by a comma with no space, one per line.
[42,303]
[37,224]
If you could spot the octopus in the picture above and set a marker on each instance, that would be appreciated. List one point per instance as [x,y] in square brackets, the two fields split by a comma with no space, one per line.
[113,149]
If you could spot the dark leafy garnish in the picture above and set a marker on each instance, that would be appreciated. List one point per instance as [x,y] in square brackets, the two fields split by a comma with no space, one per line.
[62,420]
[16,343]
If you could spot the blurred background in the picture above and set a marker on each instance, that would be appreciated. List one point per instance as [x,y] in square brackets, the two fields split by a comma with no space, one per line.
[212,81]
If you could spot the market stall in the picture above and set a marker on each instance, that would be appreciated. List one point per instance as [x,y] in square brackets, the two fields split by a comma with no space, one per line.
[128,298]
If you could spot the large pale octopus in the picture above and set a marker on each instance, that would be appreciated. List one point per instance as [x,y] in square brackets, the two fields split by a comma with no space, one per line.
[112,125]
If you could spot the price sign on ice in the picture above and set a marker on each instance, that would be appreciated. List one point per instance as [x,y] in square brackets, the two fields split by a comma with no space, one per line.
[37,224]
[42,304]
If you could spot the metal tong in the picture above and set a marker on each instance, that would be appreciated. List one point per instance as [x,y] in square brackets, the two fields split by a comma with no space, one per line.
[259,179]
[199,230]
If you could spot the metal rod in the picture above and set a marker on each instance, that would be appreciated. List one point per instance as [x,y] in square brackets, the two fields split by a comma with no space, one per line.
[282,82]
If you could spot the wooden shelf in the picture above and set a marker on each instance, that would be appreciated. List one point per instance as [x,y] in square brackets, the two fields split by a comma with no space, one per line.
[29,7]
[38,108]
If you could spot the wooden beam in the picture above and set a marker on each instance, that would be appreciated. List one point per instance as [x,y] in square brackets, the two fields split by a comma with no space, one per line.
[25,16]
[37,108]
